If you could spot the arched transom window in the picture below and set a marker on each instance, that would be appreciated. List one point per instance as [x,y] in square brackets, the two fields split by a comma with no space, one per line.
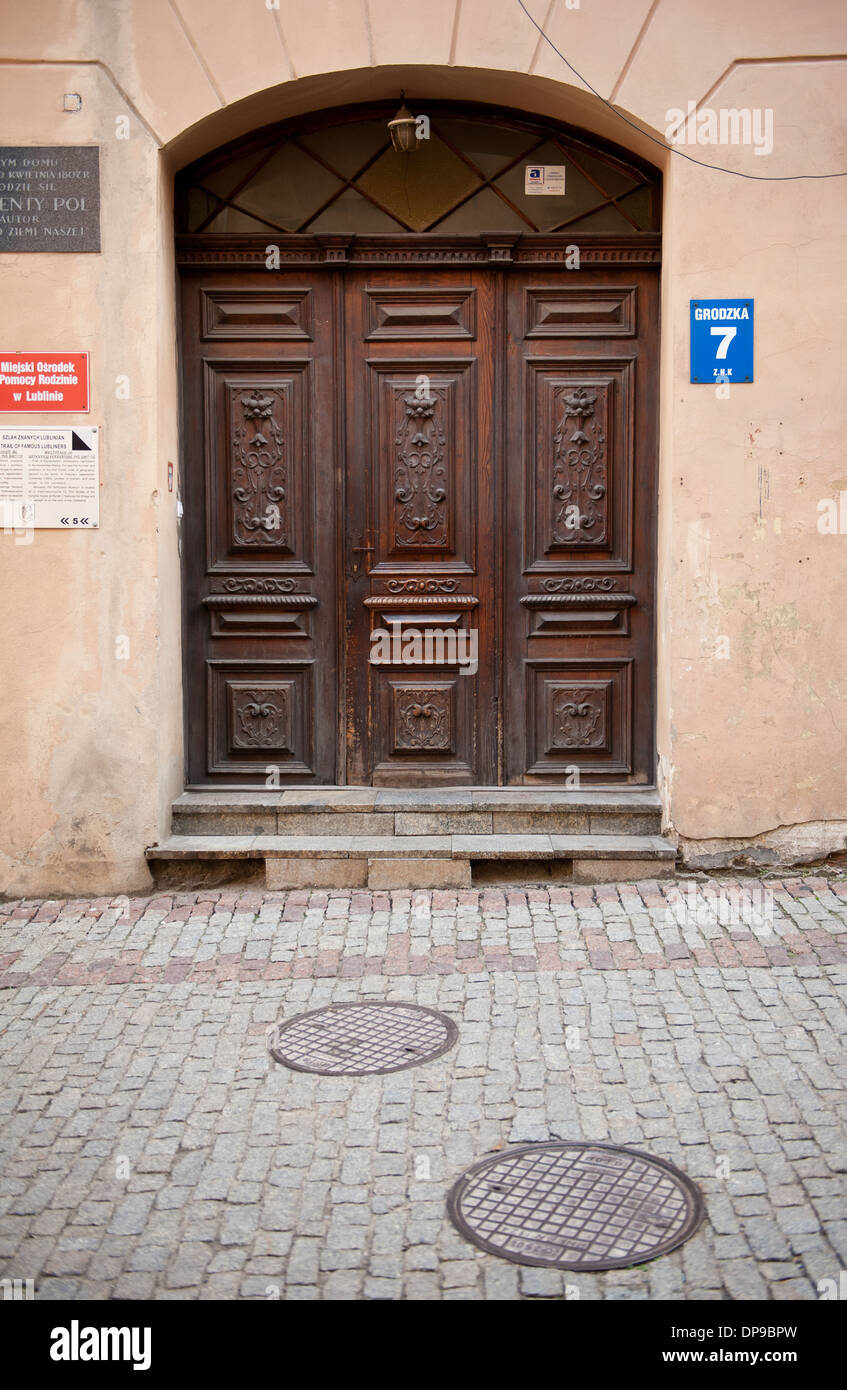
[337,173]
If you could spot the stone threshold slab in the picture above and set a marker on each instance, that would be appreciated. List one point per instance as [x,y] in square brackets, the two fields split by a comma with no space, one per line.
[581,847]
[608,800]
[260,805]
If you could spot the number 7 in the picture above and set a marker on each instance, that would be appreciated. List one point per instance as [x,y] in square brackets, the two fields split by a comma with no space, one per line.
[727,334]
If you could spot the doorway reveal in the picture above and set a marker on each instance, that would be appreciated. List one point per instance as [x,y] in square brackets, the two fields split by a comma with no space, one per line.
[409,407]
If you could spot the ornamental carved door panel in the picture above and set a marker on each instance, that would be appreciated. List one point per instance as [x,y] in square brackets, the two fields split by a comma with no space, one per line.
[420,674]
[579,524]
[260,482]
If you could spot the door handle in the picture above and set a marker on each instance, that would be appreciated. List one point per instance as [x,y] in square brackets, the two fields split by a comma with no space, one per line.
[361,550]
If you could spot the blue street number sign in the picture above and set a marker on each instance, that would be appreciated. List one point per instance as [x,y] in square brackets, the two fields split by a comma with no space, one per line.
[722,341]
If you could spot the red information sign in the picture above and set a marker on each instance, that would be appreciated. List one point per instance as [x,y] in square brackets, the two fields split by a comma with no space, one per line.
[31,381]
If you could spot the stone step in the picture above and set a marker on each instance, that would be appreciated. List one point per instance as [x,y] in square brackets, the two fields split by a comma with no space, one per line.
[418,861]
[381,811]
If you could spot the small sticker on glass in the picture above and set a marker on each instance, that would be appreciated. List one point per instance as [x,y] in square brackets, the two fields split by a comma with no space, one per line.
[545,179]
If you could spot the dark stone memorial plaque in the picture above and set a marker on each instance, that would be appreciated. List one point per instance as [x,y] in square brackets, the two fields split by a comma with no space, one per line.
[49,198]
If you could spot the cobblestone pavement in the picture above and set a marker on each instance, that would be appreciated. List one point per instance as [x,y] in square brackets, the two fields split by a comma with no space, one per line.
[151,1149]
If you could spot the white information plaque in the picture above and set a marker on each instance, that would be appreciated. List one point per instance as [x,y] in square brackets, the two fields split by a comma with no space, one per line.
[49,477]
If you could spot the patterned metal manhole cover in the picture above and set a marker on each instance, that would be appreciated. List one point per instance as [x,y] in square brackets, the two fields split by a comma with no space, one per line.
[355,1039]
[575,1206]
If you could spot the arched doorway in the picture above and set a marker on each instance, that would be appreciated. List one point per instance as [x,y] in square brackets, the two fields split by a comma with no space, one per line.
[419,417]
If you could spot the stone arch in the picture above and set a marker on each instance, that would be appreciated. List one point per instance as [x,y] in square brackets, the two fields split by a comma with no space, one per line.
[556,100]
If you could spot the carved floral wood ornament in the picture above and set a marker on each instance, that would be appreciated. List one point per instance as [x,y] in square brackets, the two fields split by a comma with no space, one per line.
[420,473]
[579,719]
[422,718]
[579,470]
[259,514]
[576,585]
[234,585]
[261,718]
[422,586]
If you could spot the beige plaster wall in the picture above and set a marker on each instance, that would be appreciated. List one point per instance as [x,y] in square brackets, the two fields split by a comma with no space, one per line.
[752,743]
[754,727]
[89,737]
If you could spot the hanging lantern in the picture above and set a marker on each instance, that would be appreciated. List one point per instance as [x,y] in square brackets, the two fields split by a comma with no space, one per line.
[403,131]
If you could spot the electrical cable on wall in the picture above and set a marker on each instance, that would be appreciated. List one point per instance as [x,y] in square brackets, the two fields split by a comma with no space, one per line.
[716,168]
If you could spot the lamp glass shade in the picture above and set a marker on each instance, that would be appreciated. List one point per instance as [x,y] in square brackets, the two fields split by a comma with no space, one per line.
[402,131]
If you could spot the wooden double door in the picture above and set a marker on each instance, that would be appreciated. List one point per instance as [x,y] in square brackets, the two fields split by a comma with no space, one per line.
[419,529]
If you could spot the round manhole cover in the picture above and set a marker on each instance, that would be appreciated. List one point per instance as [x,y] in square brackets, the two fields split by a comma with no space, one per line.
[355,1039]
[575,1206]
